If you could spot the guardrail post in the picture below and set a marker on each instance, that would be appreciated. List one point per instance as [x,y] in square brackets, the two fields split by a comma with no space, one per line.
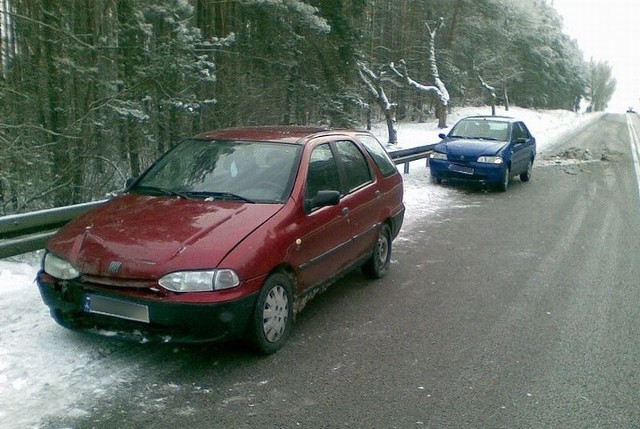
[405,156]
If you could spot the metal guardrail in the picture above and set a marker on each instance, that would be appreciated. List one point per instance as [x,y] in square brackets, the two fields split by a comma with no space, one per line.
[27,232]
[405,156]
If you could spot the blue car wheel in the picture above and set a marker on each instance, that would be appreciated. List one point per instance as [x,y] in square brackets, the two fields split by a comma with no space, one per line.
[504,183]
[527,174]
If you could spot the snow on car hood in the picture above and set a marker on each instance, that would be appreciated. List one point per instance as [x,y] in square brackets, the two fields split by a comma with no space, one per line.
[470,147]
[143,237]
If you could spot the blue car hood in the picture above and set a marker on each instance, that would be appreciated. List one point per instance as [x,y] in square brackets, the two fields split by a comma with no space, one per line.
[470,147]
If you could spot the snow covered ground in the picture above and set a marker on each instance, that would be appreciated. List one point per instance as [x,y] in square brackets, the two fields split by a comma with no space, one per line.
[45,370]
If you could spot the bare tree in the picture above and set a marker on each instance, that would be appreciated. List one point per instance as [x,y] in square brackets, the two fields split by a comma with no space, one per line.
[492,94]
[374,83]
[438,87]
[601,85]
[443,95]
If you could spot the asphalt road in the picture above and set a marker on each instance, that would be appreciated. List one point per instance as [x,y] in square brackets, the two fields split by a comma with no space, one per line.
[507,310]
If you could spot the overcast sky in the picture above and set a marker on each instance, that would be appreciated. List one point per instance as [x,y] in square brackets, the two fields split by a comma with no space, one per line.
[608,30]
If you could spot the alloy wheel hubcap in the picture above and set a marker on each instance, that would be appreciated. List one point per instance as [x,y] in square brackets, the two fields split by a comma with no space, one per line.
[383,251]
[275,314]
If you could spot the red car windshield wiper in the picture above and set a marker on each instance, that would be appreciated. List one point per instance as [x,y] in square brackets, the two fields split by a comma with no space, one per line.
[154,190]
[220,196]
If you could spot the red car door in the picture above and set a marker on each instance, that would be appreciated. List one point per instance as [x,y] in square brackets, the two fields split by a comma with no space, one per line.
[362,197]
[324,248]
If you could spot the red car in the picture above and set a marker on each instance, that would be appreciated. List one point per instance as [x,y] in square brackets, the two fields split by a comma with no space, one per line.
[228,234]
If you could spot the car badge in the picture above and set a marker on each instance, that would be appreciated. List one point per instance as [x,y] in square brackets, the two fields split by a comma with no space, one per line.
[114,267]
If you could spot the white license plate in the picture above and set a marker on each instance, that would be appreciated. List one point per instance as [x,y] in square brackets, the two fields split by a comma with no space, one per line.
[113,307]
[460,169]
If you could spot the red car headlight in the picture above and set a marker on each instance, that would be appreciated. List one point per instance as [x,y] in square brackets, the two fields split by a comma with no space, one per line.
[200,281]
[58,267]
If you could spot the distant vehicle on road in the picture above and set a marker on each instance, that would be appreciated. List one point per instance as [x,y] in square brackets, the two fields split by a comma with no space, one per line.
[228,234]
[484,149]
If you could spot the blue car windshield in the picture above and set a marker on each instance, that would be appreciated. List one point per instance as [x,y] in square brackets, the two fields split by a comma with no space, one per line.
[481,129]
[246,171]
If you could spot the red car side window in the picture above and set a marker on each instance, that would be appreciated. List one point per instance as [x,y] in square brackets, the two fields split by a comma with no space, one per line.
[355,165]
[323,171]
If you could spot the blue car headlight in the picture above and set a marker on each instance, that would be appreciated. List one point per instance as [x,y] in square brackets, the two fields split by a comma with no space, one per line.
[438,155]
[490,159]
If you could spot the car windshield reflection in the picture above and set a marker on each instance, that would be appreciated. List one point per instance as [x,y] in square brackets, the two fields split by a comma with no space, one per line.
[481,129]
[254,172]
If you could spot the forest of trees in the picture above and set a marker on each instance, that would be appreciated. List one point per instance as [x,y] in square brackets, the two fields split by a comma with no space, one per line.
[93,90]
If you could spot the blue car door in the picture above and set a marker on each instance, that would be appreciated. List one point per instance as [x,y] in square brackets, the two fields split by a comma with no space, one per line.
[522,148]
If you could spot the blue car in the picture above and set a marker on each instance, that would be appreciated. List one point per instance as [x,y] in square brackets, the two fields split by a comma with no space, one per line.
[486,150]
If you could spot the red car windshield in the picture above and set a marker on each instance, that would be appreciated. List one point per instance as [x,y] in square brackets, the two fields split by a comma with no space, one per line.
[260,172]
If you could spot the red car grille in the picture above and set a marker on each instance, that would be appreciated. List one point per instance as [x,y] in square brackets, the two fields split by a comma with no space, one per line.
[124,283]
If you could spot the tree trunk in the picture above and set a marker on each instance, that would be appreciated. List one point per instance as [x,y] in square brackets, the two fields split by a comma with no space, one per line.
[374,84]
[443,96]
[390,117]
[455,18]
[441,114]
[491,91]
[54,106]
[134,151]
[128,42]
[505,93]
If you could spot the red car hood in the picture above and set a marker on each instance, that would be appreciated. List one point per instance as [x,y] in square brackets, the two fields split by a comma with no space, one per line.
[144,237]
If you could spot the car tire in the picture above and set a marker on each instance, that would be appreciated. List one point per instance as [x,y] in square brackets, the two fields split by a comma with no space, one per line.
[272,319]
[436,179]
[378,263]
[504,183]
[524,177]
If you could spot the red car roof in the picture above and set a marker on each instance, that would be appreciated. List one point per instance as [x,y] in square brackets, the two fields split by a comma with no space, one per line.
[287,134]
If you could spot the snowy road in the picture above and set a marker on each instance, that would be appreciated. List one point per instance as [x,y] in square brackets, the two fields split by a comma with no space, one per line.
[47,372]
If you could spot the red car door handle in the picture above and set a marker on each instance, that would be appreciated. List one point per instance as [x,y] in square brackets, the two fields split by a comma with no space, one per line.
[345,211]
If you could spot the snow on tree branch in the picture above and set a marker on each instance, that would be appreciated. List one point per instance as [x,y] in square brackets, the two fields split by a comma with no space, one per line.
[306,13]
[403,74]
[374,84]
[491,90]
[433,64]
